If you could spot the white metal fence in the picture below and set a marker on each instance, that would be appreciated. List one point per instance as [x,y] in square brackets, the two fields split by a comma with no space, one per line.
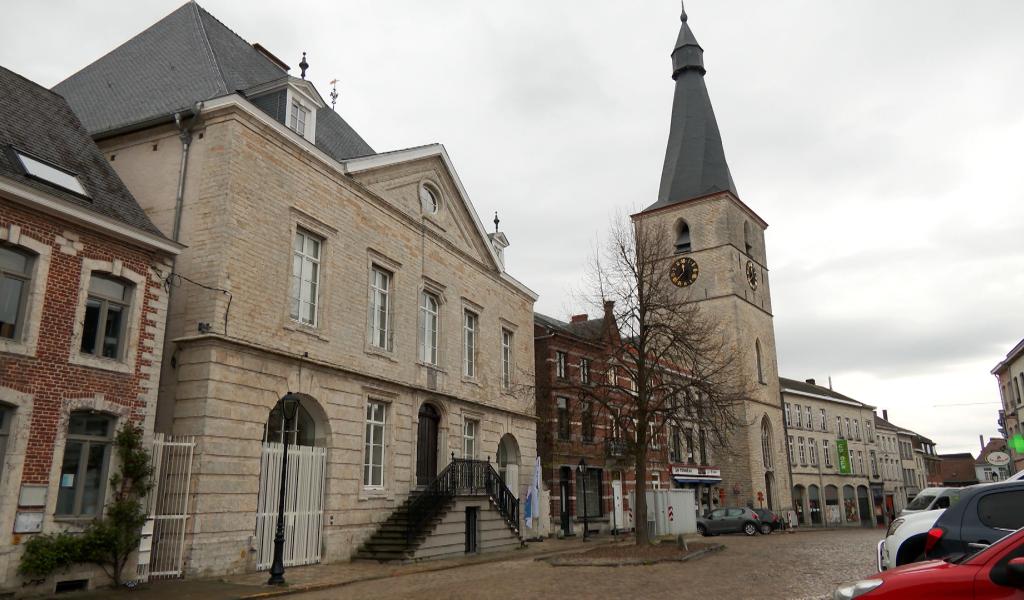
[669,512]
[162,547]
[303,509]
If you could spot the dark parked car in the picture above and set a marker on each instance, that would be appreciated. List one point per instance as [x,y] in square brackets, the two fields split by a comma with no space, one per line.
[985,514]
[729,520]
[770,521]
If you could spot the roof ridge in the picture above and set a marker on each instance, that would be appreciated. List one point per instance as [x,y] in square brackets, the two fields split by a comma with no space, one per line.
[211,55]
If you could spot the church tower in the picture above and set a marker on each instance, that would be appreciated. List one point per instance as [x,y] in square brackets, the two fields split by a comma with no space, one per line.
[718,241]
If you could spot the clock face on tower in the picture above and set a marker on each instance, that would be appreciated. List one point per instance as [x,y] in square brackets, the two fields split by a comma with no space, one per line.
[684,271]
[751,275]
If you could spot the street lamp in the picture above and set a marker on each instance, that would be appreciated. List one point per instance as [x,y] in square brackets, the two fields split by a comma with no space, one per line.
[287,406]
[582,468]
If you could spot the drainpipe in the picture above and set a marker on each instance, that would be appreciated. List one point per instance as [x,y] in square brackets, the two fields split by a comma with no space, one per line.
[186,143]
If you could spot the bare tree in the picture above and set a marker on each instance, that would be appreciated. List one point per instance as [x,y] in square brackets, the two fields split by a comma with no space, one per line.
[669,365]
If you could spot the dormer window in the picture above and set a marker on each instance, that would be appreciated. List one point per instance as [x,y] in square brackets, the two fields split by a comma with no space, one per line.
[298,118]
[51,174]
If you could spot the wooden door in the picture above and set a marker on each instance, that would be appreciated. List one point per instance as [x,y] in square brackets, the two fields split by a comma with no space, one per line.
[426,445]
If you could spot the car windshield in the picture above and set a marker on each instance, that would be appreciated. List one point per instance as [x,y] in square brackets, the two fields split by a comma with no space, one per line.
[920,503]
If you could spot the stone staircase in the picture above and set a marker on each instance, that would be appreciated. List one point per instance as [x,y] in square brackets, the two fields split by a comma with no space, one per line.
[428,515]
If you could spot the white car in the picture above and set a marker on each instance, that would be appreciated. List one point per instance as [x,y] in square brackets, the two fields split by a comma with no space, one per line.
[904,540]
[932,499]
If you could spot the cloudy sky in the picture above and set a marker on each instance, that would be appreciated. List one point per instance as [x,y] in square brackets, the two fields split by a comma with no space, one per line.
[882,141]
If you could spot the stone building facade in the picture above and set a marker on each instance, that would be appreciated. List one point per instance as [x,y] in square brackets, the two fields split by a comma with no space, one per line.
[833,451]
[1009,375]
[362,281]
[82,310]
[890,465]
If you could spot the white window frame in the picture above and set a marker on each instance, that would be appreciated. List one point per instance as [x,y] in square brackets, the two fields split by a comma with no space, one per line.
[380,307]
[430,326]
[470,333]
[27,337]
[800,448]
[470,438]
[791,450]
[375,435]
[561,358]
[826,453]
[298,283]
[824,419]
[115,268]
[798,415]
[298,117]
[809,417]
[584,370]
[507,357]
[812,448]
[789,417]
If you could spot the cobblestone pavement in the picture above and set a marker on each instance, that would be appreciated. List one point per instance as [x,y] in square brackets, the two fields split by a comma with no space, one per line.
[796,566]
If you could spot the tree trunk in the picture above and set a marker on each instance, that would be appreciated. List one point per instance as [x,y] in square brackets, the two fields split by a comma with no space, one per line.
[640,493]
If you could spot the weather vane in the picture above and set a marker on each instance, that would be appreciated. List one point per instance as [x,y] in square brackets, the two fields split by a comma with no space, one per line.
[334,93]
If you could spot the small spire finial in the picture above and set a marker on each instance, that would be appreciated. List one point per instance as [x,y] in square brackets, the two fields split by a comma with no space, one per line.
[334,93]
[303,65]
[496,221]
[682,7]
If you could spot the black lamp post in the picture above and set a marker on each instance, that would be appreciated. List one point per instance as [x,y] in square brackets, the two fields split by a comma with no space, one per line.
[287,407]
[582,468]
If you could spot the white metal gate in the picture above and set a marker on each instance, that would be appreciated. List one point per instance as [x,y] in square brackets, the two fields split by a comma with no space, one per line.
[163,537]
[303,506]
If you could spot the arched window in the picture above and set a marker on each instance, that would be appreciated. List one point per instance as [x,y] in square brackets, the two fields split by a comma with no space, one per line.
[682,237]
[760,362]
[766,443]
[301,431]
[748,247]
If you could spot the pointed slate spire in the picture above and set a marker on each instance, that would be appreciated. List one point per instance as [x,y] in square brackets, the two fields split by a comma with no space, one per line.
[694,159]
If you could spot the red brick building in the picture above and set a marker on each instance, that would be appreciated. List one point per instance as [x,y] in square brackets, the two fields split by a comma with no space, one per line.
[82,312]
[570,428]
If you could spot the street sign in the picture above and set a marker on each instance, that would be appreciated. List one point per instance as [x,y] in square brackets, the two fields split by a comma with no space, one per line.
[843,451]
[998,459]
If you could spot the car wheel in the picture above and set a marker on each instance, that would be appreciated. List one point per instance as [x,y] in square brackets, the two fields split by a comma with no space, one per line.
[703,531]
[766,529]
[750,529]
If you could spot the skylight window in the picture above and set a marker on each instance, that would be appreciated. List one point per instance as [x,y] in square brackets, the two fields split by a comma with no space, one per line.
[51,174]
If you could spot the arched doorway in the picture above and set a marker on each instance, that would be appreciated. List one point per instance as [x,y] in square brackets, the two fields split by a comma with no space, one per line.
[769,490]
[798,503]
[426,444]
[814,504]
[850,504]
[864,504]
[833,512]
[508,462]
[305,485]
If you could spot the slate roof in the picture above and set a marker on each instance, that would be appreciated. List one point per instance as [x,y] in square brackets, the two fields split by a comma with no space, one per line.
[186,57]
[40,123]
[591,329]
[803,386]
[881,423]
[695,162]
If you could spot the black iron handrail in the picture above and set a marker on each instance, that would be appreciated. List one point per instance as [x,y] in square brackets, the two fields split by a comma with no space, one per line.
[464,477]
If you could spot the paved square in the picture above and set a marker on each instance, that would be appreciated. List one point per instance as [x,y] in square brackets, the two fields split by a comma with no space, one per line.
[784,566]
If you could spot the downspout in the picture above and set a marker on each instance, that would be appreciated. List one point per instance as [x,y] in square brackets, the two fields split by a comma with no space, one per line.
[185,132]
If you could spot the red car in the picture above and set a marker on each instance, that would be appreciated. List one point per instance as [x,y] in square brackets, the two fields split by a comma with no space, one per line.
[996,572]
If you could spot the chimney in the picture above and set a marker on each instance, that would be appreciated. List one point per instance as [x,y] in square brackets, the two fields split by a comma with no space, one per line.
[810,381]
[609,307]
[885,414]
[981,438]
[579,318]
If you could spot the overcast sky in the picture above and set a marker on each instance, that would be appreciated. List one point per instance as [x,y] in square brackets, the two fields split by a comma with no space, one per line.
[882,141]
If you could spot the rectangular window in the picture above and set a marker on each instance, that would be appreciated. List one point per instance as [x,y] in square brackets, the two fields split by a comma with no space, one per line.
[612,380]
[655,481]
[826,451]
[587,419]
[860,463]
[305,277]
[675,449]
[588,493]
[812,448]
[470,427]
[563,418]
[652,434]
[839,426]
[506,358]
[106,317]
[869,432]
[797,416]
[429,316]
[560,359]
[584,370]
[792,460]
[380,308]
[373,455]
[690,449]
[789,418]
[824,420]
[15,270]
[469,327]
[856,429]
[298,118]
[849,428]
[874,465]
[800,448]
[807,417]
[83,473]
